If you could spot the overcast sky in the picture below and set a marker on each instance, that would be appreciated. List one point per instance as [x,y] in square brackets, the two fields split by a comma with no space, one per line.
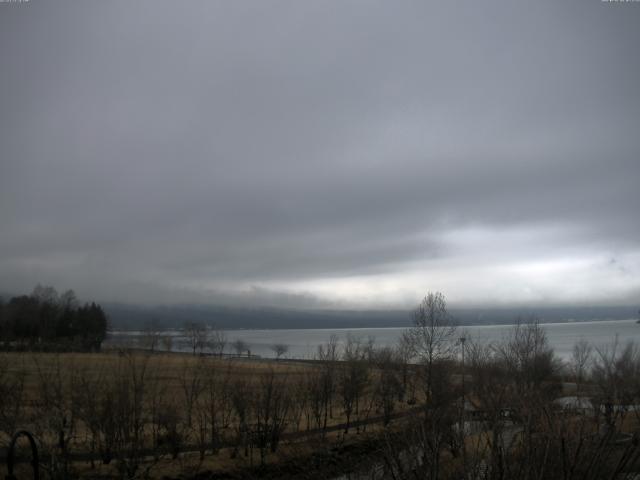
[342,154]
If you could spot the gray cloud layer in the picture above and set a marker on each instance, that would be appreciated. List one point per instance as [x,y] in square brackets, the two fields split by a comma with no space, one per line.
[321,153]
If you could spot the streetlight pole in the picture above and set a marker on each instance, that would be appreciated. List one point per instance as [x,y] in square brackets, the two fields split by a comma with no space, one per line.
[463,339]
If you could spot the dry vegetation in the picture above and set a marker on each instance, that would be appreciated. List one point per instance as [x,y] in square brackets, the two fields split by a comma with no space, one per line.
[414,411]
[127,413]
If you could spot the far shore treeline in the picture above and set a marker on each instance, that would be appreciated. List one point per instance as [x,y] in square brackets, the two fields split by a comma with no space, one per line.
[46,320]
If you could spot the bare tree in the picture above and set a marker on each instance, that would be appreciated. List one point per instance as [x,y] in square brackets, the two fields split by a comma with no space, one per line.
[150,338]
[55,412]
[370,348]
[528,356]
[240,400]
[279,349]
[157,406]
[192,385]
[403,355]
[315,394]
[538,440]
[299,399]
[12,382]
[352,378]
[328,354]
[217,341]
[388,385]
[270,405]
[491,385]
[432,336]
[616,369]
[131,391]
[240,346]
[580,361]
[196,335]
[216,403]
[329,351]
[84,394]
[321,384]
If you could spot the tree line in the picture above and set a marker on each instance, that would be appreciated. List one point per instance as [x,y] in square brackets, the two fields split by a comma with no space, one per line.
[469,409]
[47,320]
[512,409]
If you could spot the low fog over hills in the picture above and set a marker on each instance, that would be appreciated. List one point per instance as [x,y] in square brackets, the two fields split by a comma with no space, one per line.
[134,317]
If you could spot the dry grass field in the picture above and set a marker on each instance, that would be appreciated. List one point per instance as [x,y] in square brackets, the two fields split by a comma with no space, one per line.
[131,414]
[134,414]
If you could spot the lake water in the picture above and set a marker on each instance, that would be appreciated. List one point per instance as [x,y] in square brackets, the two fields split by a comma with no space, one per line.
[303,343]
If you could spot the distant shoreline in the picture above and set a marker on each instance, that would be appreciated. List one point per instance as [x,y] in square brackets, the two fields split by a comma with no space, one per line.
[377,327]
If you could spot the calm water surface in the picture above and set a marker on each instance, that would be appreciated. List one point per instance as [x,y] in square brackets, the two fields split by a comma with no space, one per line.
[303,343]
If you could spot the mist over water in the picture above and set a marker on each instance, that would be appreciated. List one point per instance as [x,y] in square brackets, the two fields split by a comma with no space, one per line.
[303,343]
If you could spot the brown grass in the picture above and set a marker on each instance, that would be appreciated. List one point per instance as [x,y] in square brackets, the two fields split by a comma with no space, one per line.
[169,372]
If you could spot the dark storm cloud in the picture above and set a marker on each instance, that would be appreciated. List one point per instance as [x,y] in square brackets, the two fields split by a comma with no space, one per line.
[310,152]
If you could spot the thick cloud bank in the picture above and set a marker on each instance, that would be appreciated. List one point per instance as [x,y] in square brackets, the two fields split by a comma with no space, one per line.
[314,154]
